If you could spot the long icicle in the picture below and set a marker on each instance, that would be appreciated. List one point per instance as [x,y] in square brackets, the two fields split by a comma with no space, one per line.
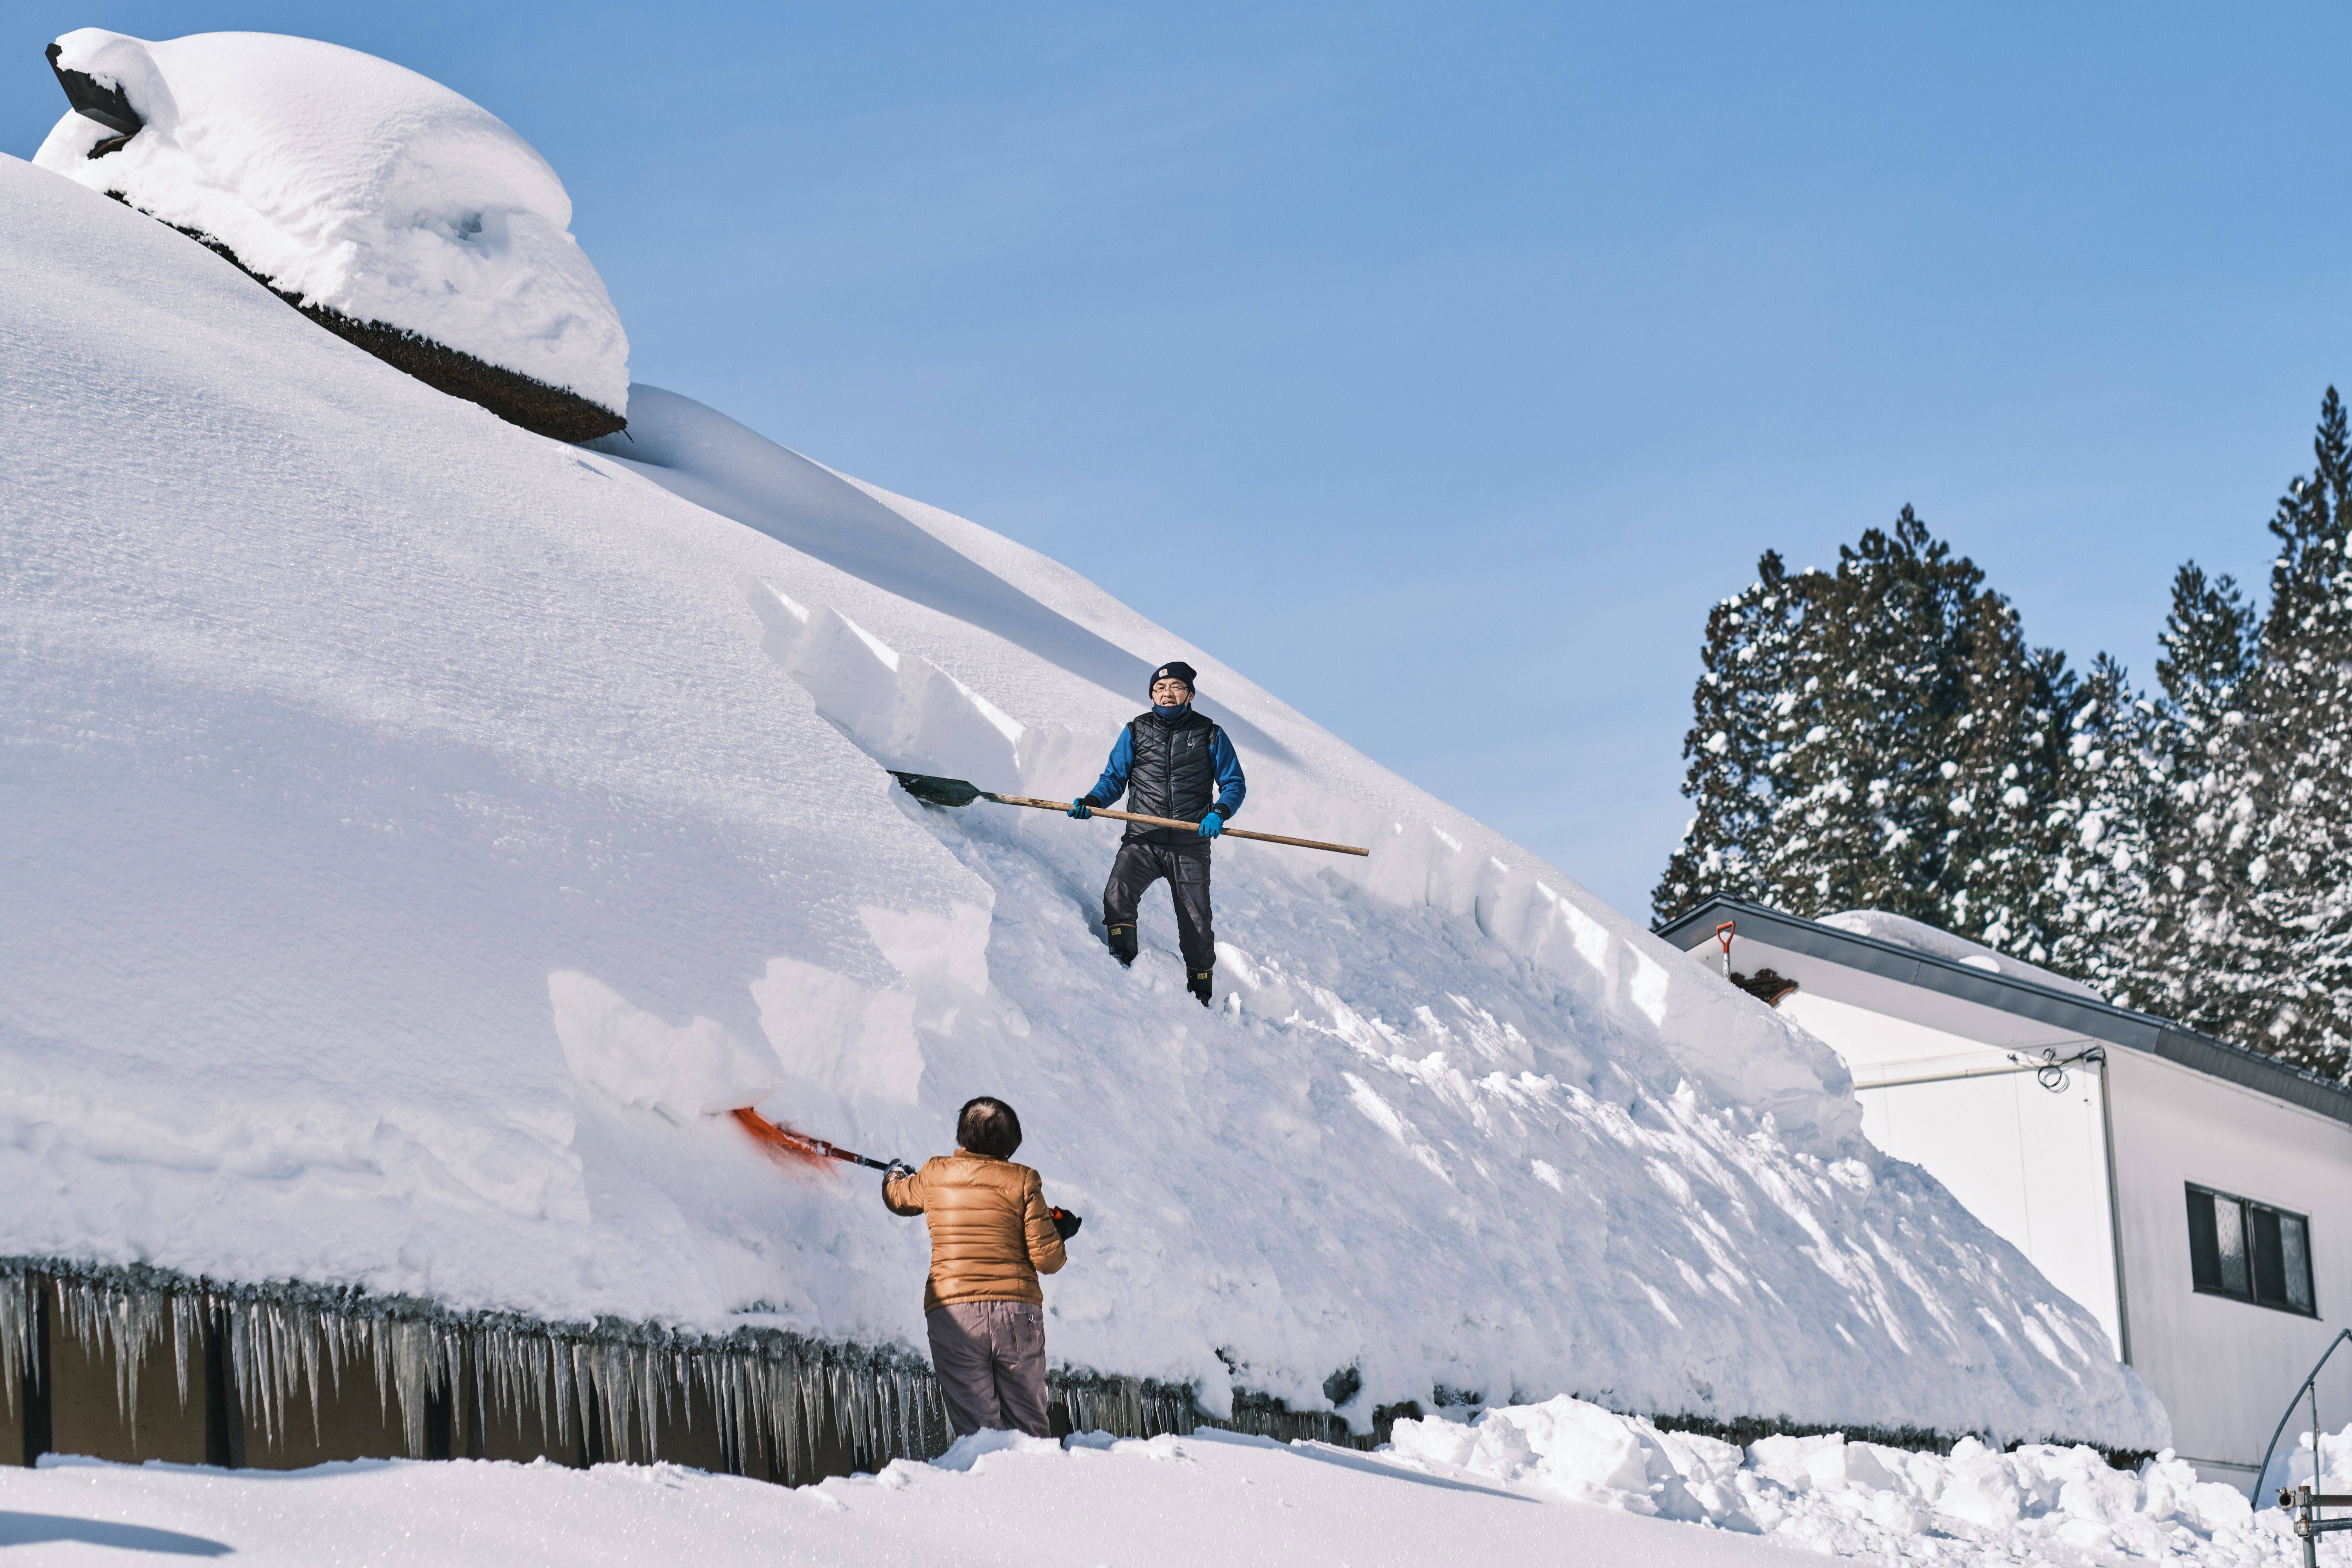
[16,1319]
[782,1404]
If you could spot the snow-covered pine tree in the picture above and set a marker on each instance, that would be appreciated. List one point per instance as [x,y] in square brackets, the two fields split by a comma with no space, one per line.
[2209,647]
[2033,804]
[2092,843]
[1873,738]
[1882,736]
[2269,937]
[1739,721]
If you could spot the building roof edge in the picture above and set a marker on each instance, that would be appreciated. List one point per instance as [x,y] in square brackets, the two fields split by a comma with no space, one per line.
[2143,1032]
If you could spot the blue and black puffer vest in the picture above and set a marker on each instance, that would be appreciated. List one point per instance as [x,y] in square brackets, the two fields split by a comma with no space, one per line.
[1172,772]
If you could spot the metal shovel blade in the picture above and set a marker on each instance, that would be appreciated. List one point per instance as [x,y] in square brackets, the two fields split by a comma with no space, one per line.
[933,791]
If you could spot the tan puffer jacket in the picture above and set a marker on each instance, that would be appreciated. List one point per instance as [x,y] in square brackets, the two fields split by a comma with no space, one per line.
[991,1234]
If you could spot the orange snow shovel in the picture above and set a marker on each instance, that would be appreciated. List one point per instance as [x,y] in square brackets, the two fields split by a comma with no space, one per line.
[785,1144]
[956,792]
[799,1145]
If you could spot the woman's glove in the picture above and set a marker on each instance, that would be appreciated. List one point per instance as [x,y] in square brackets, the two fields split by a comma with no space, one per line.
[1081,810]
[1213,825]
[1066,1224]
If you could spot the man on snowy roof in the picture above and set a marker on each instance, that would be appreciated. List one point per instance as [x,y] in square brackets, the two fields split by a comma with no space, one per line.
[1169,763]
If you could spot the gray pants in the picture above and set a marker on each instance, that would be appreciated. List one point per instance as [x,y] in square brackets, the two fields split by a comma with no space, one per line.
[990,1360]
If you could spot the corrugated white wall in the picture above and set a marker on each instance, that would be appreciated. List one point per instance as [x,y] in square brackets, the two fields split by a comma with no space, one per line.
[2028,1161]
[2225,1368]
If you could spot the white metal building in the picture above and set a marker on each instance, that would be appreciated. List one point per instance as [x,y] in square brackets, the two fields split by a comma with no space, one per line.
[2191,1194]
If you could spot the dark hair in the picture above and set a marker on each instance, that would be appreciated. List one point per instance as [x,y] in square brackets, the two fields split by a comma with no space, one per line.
[987,1126]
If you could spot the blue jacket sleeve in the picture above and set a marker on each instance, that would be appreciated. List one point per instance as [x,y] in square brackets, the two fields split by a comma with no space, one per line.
[1113,783]
[1231,785]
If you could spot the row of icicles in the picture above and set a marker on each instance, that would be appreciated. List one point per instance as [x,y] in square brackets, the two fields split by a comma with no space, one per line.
[614,1383]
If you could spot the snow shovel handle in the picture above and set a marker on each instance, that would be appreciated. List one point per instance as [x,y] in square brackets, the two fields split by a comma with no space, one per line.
[832,1153]
[1172,822]
[768,1133]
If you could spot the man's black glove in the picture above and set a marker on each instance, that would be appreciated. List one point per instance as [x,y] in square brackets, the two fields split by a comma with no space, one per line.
[895,1168]
[1066,1223]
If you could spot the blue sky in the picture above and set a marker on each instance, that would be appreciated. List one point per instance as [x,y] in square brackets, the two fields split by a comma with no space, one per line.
[1440,366]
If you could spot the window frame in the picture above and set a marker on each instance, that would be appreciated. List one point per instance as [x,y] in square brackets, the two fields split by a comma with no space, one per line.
[2246,1209]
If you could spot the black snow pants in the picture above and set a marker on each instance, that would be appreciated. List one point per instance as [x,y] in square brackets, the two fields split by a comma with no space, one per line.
[1186,867]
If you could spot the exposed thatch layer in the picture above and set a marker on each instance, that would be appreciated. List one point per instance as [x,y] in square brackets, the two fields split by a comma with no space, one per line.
[514,397]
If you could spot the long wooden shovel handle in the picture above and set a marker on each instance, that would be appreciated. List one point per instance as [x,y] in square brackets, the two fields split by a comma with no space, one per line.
[1172,822]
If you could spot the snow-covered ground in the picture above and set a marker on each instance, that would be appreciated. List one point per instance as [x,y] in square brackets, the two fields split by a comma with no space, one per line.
[358,185]
[1559,1483]
[418,825]
[1175,1501]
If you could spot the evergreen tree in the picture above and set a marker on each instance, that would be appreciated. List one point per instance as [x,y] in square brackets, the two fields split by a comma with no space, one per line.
[2268,934]
[1882,737]
[2094,846]
[1873,738]
[2033,802]
[2210,649]
[1747,662]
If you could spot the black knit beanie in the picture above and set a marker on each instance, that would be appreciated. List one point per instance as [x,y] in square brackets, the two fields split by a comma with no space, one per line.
[1174,669]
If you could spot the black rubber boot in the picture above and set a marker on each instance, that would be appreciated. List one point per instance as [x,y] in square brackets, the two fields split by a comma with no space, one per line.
[1122,945]
[1202,982]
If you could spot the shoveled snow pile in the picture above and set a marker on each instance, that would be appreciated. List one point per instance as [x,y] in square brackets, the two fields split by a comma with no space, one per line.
[359,186]
[1560,1482]
[416,828]
[2325,1467]
[2036,1502]
[1902,931]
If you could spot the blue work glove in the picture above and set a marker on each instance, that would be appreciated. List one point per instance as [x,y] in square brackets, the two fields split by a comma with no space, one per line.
[1213,825]
[1081,810]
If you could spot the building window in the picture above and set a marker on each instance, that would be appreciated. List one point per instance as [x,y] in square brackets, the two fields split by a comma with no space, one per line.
[2249,1250]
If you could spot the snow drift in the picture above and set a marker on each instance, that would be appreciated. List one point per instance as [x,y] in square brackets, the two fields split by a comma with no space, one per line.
[418,825]
[368,195]
[1854,1499]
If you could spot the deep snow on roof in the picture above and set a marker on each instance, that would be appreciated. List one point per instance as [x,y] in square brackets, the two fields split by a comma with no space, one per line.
[358,185]
[1921,937]
[418,822]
